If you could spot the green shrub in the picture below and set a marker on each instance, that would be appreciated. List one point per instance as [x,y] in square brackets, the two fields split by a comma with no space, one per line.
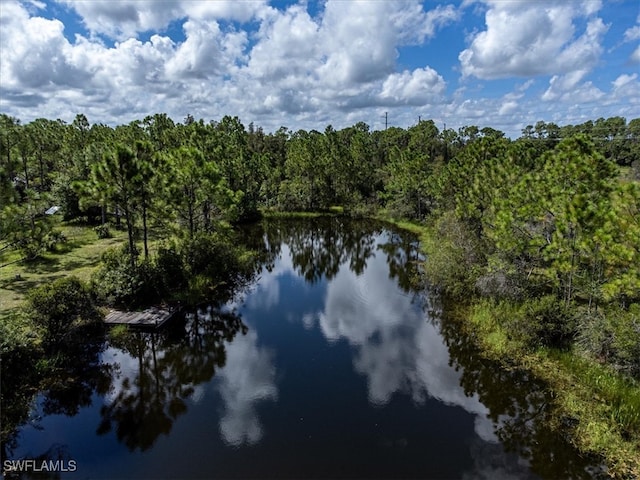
[398,207]
[116,282]
[453,256]
[214,267]
[613,336]
[102,231]
[488,318]
[56,306]
[549,322]
[526,325]
[53,239]
[500,280]
[294,196]
[169,272]
[20,348]
[212,257]
[357,207]
[543,322]
[16,334]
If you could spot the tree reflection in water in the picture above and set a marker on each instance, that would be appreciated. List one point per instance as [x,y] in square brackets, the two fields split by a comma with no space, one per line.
[397,350]
[403,256]
[169,366]
[77,373]
[73,375]
[319,246]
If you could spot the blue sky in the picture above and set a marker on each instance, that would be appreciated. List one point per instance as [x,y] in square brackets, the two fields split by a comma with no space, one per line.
[307,64]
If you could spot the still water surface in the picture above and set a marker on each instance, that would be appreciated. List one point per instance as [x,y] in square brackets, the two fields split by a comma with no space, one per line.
[329,365]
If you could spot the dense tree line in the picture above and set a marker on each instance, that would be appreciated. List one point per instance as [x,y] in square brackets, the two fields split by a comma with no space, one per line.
[552,213]
[154,170]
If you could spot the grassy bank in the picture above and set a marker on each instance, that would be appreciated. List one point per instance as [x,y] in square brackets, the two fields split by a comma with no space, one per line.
[602,405]
[270,213]
[78,256]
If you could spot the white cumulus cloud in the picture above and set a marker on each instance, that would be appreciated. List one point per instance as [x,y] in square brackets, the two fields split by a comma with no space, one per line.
[522,39]
[303,67]
[123,19]
[632,33]
[423,85]
[38,56]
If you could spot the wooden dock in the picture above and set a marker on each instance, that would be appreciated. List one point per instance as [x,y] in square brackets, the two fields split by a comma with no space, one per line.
[153,317]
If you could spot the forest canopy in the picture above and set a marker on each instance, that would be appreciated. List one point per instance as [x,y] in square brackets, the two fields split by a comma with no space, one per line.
[553,212]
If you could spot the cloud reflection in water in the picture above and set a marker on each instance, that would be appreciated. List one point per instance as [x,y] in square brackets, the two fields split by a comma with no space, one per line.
[247,378]
[397,347]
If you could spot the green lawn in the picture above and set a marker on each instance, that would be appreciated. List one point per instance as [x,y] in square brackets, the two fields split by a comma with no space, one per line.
[78,256]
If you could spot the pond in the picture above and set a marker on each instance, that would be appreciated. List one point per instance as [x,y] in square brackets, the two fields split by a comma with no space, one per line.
[331,364]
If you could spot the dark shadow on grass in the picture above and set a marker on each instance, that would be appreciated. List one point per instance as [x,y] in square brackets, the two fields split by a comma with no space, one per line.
[24,286]
[53,265]
[75,265]
[42,264]
[69,246]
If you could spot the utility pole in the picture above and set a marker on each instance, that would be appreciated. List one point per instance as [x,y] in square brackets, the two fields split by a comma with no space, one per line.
[419,119]
[386,120]
[446,144]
